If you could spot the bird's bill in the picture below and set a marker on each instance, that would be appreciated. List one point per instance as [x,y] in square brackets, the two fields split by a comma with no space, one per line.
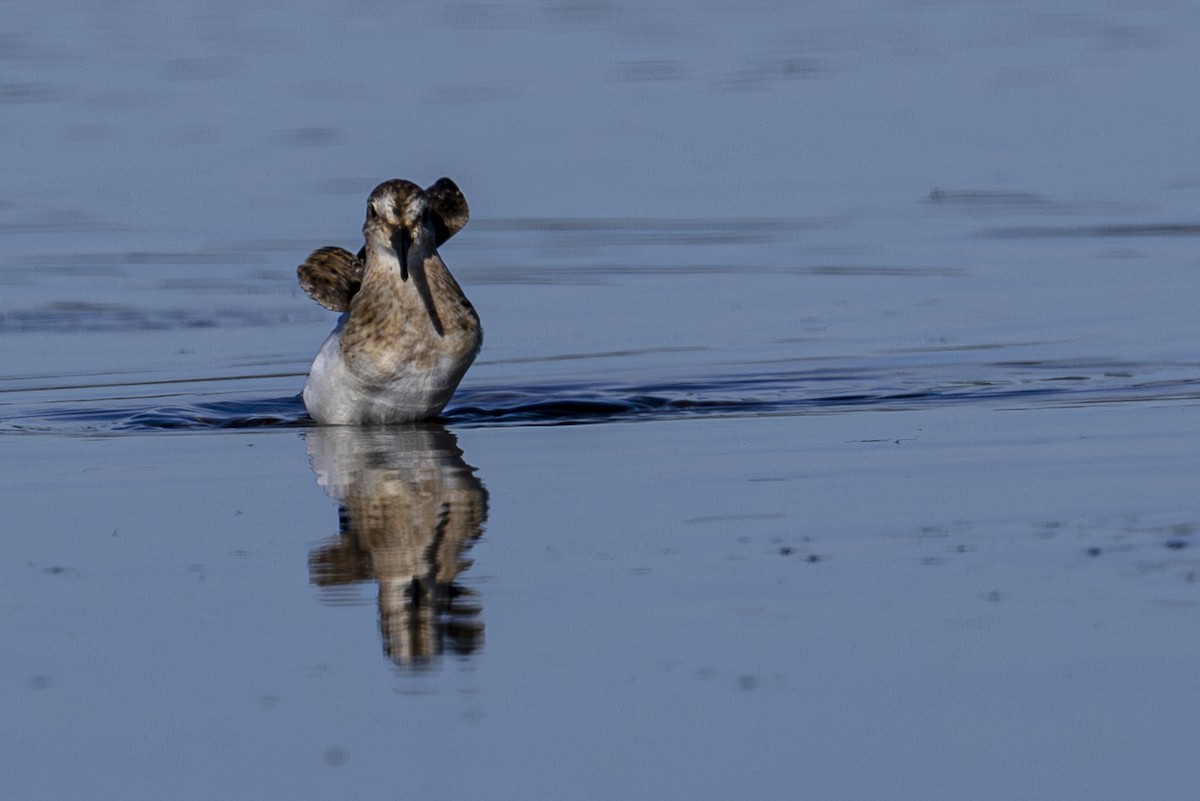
[401,240]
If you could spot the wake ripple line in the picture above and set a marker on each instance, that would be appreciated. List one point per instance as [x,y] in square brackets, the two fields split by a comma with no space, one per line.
[474,407]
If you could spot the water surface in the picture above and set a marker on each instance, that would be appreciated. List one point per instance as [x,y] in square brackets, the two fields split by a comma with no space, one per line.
[835,432]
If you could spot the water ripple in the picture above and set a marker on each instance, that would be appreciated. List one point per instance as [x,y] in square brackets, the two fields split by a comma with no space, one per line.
[1003,385]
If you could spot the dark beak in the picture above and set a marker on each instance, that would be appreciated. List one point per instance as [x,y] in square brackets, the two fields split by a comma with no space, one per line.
[401,239]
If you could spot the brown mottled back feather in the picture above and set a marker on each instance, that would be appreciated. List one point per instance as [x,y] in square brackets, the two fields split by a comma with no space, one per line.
[331,276]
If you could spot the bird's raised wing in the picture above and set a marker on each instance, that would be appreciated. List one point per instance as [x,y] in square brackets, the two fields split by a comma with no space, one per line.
[331,276]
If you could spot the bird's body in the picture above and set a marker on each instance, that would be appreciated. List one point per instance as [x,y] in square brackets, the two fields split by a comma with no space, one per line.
[408,334]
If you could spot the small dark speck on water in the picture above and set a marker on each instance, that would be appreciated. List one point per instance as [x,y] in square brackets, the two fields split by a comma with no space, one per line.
[814,558]
[785,551]
[54,570]
[747,682]
[336,757]
[1177,545]
[1094,551]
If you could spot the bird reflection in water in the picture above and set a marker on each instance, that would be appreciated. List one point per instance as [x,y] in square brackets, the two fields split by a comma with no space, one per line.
[409,508]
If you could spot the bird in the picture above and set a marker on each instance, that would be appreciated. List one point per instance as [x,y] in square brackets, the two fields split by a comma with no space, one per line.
[407,334]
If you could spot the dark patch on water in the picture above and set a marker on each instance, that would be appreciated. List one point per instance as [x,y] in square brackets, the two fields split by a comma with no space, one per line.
[175,404]
[80,317]
[598,274]
[624,232]
[23,93]
[1111,230]
[988,198]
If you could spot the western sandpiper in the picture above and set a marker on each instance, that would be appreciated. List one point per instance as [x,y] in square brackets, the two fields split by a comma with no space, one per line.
[407,333]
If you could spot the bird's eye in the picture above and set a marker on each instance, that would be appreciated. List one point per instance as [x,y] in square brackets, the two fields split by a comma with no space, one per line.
[371,211]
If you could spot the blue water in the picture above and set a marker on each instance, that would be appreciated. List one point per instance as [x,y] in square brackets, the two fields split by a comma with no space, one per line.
[835,431]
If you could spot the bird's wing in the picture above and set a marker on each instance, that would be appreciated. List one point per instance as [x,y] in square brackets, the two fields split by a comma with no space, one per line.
[331,276]
[447,209]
